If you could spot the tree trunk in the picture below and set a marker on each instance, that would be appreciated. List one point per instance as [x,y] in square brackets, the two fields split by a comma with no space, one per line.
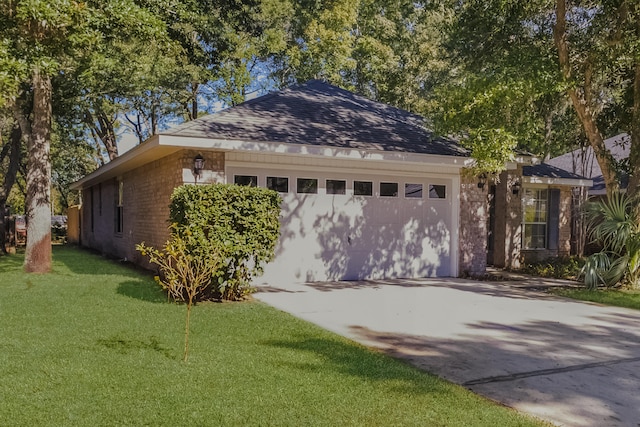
[9,179]
[38,203]
[102,127]
[580,102]
[634,153]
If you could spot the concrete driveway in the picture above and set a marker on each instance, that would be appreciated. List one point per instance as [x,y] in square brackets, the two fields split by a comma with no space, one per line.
[574,364]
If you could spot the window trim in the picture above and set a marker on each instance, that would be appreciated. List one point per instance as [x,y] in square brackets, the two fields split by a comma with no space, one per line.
[306,179]
[353,188]
[326,186]
[446,191]
[397,184]
[420,197]
[266,183]
[249,176]
[537,190]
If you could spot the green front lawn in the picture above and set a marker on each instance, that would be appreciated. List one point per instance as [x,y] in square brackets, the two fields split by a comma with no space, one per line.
[628,299]
[96,344]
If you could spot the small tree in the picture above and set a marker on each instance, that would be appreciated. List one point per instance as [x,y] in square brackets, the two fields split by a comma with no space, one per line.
[614,224]
[184,276]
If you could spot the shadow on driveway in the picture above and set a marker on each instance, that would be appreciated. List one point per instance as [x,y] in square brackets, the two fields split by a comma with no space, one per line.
[571,363]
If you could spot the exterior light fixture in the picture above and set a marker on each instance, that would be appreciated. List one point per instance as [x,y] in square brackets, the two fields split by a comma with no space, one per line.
[482,180]
[515,188]
[198,166]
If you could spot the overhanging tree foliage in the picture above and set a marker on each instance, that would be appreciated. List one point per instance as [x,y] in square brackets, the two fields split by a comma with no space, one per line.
[540,56]
[43,41]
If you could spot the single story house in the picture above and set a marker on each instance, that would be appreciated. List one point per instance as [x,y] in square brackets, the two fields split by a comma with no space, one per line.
[368,191]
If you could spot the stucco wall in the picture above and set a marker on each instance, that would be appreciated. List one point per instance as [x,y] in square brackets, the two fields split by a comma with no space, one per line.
[147,192]
[473,226]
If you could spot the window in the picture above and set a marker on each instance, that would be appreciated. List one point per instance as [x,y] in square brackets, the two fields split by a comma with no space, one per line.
[437,191]
[92,208]
[307,185]
[277,183]
[535,207]
[413,191]
[388,189]
[362,188]
[248,180]
[335,186]
[119,217]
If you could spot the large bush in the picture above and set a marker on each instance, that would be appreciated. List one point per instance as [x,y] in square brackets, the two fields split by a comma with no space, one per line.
[239,223]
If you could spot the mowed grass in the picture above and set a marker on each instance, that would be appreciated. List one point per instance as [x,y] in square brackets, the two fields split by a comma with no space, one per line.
[96,344]
[619,298]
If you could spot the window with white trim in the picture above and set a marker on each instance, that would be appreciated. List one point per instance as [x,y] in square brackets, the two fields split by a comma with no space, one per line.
[307,185]
[388,189]
[336,186]
[278,183]
[535,207]
[413,191]
[248,180]
[362,188]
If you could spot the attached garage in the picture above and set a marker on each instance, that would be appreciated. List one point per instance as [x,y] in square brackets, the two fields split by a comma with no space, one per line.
[353,223]
[368,192]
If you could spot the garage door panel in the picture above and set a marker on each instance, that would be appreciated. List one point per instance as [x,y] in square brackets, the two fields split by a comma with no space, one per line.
[347,237]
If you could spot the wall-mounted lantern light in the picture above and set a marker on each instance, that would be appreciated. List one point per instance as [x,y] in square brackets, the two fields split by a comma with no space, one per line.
[515,188]
[482,180]
[198,166]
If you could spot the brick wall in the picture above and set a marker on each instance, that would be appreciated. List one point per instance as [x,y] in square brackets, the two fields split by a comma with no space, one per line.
[473,226]
[508,221]
[147,192]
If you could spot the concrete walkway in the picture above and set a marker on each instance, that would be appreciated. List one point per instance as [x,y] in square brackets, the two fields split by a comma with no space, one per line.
[574,364]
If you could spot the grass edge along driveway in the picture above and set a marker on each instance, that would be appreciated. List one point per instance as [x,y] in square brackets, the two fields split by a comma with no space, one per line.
[96,343]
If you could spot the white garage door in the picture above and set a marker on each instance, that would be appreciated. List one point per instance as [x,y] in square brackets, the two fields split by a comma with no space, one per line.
[349,226]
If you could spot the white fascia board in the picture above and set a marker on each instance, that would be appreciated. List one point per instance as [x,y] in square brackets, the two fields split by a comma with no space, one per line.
[137,156]
[557,181]
[311,150]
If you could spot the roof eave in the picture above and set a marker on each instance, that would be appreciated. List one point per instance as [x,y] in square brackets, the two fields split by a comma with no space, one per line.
[570,182]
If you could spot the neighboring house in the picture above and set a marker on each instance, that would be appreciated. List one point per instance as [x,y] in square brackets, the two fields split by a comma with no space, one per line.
[582,161]
[368,192]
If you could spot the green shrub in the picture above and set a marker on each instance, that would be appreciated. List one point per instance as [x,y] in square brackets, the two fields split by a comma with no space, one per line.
[240,223]
[615,224]
[558,268]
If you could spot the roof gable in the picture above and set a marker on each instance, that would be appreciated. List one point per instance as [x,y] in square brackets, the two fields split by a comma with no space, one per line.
[316,113]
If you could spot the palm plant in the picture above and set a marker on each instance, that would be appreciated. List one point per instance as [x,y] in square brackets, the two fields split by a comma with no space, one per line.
[615,224]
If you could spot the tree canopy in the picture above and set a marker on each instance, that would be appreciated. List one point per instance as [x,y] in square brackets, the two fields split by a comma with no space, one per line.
[543,72]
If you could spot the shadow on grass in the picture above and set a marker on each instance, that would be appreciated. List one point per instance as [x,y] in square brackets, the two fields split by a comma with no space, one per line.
[358,361]
[10,263]
[124,346]
[145,290]
[86,261]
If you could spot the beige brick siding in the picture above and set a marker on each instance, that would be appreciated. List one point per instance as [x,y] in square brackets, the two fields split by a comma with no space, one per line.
[508,220]
[147,192]
[473,227]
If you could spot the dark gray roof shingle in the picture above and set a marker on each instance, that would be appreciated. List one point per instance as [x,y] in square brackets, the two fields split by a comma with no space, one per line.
[317,113]
[545,170]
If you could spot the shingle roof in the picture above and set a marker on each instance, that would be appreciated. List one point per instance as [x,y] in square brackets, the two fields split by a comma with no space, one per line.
[545,170]
[317,113]
[583,162]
